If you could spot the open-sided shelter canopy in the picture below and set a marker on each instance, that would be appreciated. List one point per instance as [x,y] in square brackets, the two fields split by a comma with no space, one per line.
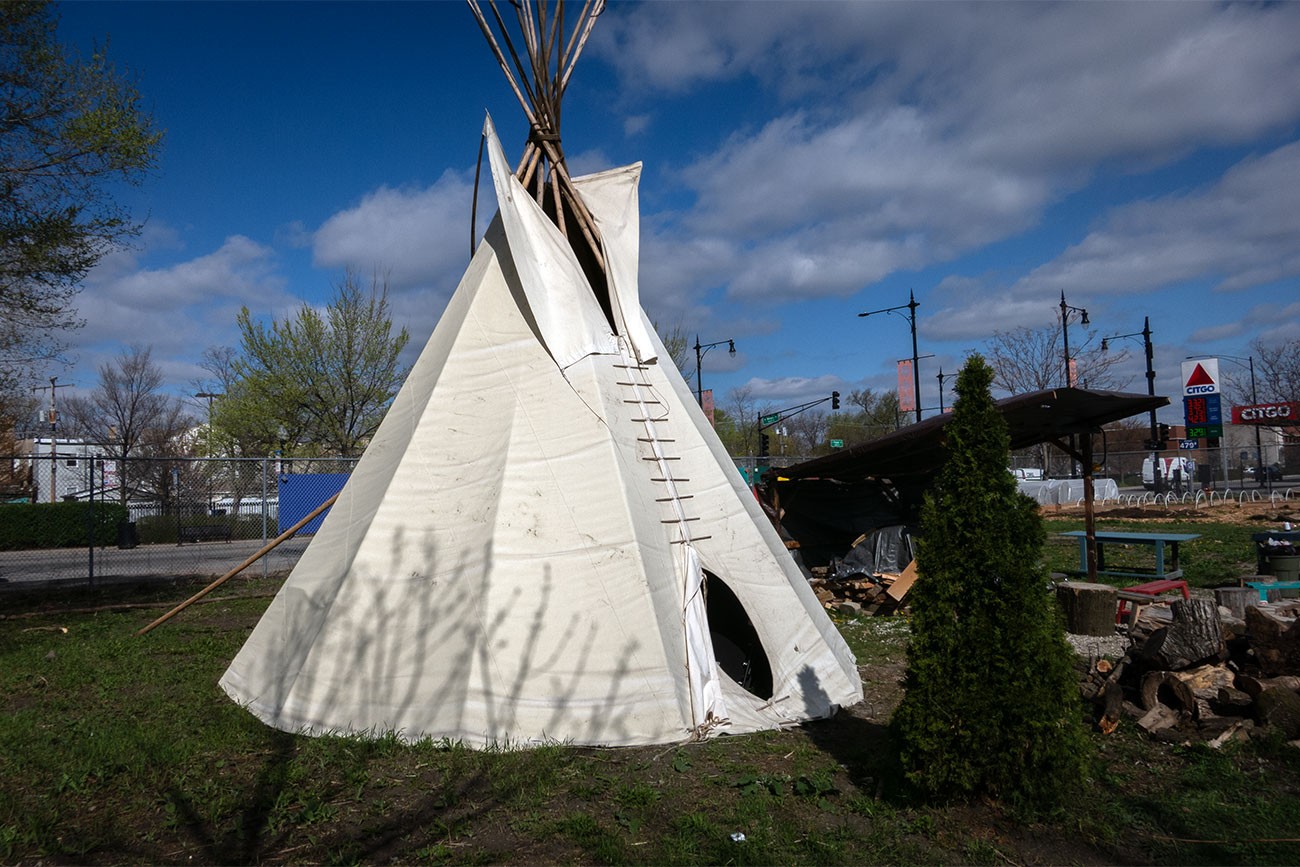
[827,502]
[913,453]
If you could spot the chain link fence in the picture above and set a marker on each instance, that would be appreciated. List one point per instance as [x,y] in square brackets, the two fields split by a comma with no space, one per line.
[71,515]
[77,516]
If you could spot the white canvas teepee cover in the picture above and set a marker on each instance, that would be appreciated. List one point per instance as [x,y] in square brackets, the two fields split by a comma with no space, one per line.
[520,555]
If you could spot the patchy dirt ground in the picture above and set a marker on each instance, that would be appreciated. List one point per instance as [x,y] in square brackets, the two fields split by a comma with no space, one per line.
[1258,513]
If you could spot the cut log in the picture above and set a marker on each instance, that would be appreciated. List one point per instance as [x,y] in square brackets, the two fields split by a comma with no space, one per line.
[1194,636]
[1089,608]
[1232,702]
[1253,686]
[1237,599]
[1281,708]
[1275,639]
[1160,687]
[1112,705]
[1211,677]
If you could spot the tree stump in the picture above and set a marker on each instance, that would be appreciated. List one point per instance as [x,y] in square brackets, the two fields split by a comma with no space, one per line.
[1195,635]
[1275,640]
[1279,707]
[1236,599]
[1089,608]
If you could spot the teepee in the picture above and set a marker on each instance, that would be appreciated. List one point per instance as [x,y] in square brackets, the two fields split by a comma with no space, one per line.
[545,540]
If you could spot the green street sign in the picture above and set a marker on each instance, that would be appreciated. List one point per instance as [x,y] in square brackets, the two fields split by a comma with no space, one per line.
[837,444]
[770,419]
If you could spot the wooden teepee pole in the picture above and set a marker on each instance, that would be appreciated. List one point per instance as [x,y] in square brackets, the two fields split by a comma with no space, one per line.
[266,549]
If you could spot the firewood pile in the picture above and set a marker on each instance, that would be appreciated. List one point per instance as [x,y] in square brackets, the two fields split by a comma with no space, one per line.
[1196,671]
[858,594]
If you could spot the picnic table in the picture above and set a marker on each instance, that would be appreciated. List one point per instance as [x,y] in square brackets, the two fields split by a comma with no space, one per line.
[1158,541]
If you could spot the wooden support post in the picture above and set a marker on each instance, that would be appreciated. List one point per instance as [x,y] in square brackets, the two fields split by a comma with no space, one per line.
[1089,514]
[266,549]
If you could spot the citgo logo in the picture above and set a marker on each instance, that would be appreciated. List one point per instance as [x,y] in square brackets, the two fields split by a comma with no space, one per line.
[1259,413]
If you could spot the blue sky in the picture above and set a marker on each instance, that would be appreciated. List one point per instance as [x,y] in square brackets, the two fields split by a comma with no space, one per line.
[803,163]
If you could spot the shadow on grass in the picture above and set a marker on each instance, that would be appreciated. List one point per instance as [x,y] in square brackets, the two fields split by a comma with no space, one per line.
[247,840]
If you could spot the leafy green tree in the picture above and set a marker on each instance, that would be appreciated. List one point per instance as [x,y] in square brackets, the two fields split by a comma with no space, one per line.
[319,383]
[991,705]
[70,128]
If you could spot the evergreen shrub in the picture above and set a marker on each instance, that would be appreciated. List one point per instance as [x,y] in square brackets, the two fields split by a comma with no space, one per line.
[26,526]
[991,706]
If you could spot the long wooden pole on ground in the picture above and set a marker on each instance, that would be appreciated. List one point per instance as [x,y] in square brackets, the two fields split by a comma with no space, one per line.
[266,549]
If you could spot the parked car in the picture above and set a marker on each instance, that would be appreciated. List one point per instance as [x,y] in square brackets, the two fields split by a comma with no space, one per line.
[1272,473]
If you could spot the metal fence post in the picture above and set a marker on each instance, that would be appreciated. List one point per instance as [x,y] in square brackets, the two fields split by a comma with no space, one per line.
[90,565]
[266,464]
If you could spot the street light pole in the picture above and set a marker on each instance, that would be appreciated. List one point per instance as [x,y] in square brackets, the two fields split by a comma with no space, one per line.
[1065,332]
[700,352]
[911,306]
[1065,335]
[942,376]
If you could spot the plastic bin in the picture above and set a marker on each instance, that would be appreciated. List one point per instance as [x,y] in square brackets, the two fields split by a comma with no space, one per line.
[128,536]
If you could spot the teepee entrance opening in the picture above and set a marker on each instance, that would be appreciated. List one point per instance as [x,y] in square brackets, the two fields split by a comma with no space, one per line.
[736,645]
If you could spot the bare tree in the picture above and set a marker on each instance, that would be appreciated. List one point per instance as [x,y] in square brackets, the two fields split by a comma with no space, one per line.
[678,346]
[808,430]
[1032,359]
[127,410]
[1277,369]
[744,410]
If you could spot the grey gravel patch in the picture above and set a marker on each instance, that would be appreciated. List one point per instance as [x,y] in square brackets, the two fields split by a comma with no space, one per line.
[1111,646]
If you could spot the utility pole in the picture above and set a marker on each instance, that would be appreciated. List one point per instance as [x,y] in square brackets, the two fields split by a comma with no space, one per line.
[53,421]
[1153,437]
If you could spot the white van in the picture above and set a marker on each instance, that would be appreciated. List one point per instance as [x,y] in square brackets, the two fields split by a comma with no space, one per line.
[1175,473]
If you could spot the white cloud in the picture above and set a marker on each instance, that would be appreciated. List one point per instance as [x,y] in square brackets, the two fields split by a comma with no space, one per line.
[925,131]
[1285,318]
[178,309]
[417,237]
[1242,231]
[635,124]
[795,389]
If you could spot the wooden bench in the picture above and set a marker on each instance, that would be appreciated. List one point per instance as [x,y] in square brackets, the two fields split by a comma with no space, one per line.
[1158,541]
[1142,594]
[201,532]
[1264,586]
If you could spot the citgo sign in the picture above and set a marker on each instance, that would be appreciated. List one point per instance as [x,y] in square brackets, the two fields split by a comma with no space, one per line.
[1267,413]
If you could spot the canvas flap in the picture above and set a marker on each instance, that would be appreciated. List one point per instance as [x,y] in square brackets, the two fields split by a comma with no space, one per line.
[566,311]
[612,198]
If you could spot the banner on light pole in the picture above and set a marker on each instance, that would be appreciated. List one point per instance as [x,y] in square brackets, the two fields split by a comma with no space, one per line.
[906,389]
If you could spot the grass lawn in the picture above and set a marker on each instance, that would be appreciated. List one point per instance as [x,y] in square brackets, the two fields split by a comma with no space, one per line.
[117,749]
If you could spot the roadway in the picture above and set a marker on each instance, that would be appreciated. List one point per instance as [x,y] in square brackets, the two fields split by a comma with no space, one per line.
[114,565]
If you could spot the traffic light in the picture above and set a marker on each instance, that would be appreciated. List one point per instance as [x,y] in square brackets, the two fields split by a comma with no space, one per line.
[763,445]
[1163,439]
[835,400]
